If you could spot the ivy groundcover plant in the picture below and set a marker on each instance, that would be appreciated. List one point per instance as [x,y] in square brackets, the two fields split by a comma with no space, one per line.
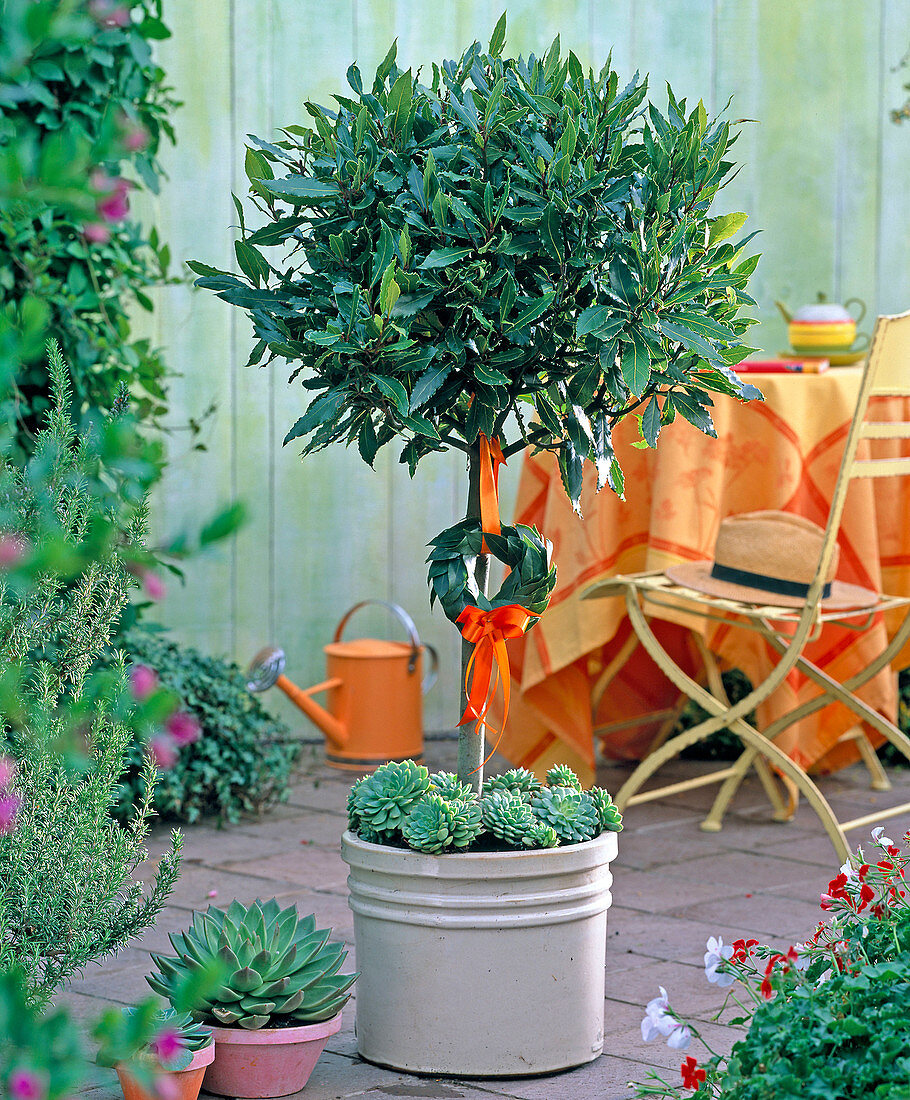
[446,255]
[827,1018]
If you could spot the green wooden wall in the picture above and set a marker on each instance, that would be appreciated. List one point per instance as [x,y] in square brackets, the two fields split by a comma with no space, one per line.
[826,177]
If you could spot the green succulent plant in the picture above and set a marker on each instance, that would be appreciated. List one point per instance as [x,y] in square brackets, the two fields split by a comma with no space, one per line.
[541,835]
[436,824]
[561,775]
[571,813]
[517,780]
[283,970]
[385,798]
[507,816]
[354,823]
[607,814]
[450,787]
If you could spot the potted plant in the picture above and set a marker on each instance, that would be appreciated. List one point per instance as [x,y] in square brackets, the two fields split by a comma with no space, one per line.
[180,1050]
[275,1009]
[511,237]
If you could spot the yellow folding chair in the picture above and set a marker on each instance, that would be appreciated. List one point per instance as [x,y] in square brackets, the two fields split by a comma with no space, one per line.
[787,620]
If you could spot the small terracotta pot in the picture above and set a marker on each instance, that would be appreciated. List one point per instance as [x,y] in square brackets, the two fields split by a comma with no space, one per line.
[266,1063]
[187,1081]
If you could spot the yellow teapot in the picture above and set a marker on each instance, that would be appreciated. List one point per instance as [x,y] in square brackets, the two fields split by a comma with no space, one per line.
[824,327]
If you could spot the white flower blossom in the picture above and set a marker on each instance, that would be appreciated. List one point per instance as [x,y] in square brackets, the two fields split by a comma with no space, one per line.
[659,1021]
[717,953]
[879,837]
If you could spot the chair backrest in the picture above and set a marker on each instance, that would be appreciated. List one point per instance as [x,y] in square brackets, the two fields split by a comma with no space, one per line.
[886,374]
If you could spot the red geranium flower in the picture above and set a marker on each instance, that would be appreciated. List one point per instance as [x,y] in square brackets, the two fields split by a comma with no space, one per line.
[692,1075]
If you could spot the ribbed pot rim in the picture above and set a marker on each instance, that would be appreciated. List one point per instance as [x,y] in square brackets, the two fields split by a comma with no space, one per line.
[357,853]
[302,1033]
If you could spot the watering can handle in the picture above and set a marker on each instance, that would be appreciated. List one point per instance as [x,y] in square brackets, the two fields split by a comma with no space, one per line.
[406,621]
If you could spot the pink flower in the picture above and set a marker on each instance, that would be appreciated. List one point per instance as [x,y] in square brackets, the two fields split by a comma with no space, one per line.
[164,751]
[7,771]
[166,1044]
[183,728]
[143,682]
[9,809]
[109,13]
[135,139]
[96,233]
[13,548]
[25,1084]
[115,207]
[153,584]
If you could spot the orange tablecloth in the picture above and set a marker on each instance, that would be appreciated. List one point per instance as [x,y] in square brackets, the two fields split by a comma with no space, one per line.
[781,453]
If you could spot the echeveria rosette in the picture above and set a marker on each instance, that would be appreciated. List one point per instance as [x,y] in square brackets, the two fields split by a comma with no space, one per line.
[571,813]
[517,780]
[354,823]
[176,1037]
[448,786]
[508,817]
[436,824]
[385,798]
[561,775]
[607,814]
[283,971]
[541,835]
[514,231]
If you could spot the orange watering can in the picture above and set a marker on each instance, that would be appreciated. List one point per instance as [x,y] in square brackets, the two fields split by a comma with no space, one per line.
[374,704]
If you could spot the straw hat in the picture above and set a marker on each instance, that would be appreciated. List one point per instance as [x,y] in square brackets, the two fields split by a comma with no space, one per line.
[769,558]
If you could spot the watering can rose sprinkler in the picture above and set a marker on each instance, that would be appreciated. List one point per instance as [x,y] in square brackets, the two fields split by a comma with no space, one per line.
[374,689]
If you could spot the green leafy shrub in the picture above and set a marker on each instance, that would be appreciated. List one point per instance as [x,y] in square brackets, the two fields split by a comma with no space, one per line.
[847,1039]
[243,758]
[92,101]
[71,524]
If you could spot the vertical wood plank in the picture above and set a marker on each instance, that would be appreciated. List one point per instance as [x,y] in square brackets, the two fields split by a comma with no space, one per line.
[893,270]
[194,326]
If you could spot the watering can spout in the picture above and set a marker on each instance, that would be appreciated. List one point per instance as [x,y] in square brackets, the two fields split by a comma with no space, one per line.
[267,670]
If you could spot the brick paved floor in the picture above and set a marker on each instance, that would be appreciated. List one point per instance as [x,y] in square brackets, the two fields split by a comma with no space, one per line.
[673,887]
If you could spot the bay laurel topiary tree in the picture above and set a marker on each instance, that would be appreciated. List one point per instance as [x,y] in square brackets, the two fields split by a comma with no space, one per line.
[503,253]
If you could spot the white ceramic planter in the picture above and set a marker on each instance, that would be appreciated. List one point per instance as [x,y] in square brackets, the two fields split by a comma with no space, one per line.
[480,964]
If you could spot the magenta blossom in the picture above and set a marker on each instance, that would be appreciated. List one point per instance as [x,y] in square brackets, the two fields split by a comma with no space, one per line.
[135,139]
[183,728]
[164,751]
[109,13]
[143,682]
[96,233]
[25,1084]
[166,1044]
[115,207]
[13,548]
[9,810]
[7,771]
[153,585]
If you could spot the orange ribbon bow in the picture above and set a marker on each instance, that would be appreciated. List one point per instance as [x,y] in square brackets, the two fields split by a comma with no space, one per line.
[488,631]
[491,458]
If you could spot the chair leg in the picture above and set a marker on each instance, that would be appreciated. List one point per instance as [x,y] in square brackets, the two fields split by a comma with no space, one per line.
[878,781]
[722,717]
[750,758]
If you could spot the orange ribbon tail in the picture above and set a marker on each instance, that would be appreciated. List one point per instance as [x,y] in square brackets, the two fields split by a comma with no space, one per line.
[489,663]
[491,458]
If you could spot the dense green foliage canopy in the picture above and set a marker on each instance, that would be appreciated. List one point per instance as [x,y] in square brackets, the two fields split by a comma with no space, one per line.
[511,233]
[82,104]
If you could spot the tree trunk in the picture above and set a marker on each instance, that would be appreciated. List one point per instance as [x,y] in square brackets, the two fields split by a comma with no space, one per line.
[471,739]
